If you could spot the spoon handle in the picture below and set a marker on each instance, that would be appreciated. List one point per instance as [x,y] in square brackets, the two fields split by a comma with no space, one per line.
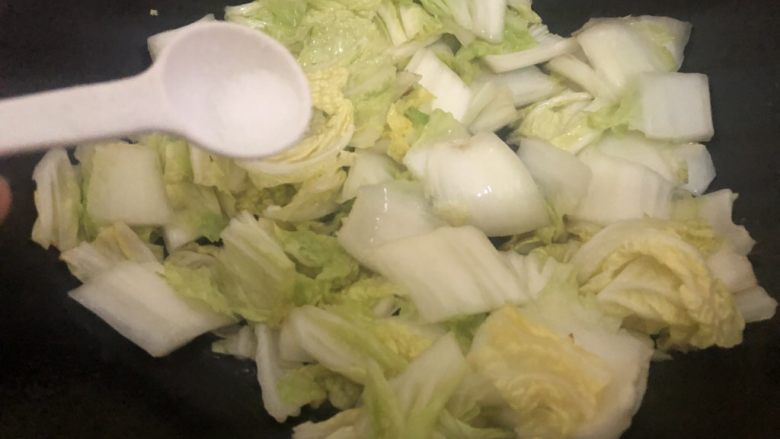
[81,114]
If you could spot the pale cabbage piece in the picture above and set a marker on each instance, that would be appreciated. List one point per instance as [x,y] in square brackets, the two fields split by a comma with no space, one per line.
[716,209]
[341,345]
[563,178]
[126,185]
[755,304]
[687,165]
[622,48]
[369,168]
[140,305]
[561,120]
[114,244]
[57,201]
[239,342]
[315,199]
[621,190]
[673,106]
[410,404]
[271,369]
[551,386]
[549,46]
[340,425]
[479,182]
[196,213]
[450,272]
[529,85]
[579,72]
[644,272]
[451,93]
[498,113]
[733,269]
[255,275]
[488,19]
[626,355]
[385,213]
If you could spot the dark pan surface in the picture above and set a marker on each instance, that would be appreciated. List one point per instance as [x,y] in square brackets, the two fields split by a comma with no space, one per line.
[63,373]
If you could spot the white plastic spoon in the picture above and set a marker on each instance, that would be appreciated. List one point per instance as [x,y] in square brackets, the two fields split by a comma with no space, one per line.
[226,88]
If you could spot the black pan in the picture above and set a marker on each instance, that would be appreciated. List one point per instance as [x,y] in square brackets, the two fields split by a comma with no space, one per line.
[63,373]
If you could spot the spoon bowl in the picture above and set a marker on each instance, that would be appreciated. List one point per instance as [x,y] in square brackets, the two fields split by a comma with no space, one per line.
[234,90]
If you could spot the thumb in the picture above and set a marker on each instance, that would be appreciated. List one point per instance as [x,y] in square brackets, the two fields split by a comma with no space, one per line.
[5,198]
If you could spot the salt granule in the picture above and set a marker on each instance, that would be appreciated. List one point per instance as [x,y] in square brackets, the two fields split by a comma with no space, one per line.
[253,109]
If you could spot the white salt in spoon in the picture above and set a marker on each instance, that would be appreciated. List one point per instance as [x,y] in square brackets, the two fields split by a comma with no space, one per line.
[226,88]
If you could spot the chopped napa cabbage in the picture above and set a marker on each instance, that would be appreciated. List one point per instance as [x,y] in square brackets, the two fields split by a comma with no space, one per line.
[561,121]
[755,304]
[312,384]
[538,272]
[320,256]
[516,37]
[194,274]
[57,201]
[315,199]
[457,10]
[498,112]
[196,213]
[673,106]
[270,370]
[488,19]
[281,19]
[216,171]
[550,385]
[450,427]
[622,48]
[733,269]
[341,425]
[390,18]
[481,182]
[406,119]
[238,342]
[450,272]
[114,244]
[382,214]
[548,47]
[635,148]
[645,272]
[621,190]
[342,345]
[698,165]
[174,156]
[561,176]
[140,305]
[410,404]
[580,73]
[440,127]
[561,314]
[413,23]
[688,166]
[529,85]
[256,277]
[370,168]
[716,209]
[371,295]
[339,36]
[126,185]
[451,93]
